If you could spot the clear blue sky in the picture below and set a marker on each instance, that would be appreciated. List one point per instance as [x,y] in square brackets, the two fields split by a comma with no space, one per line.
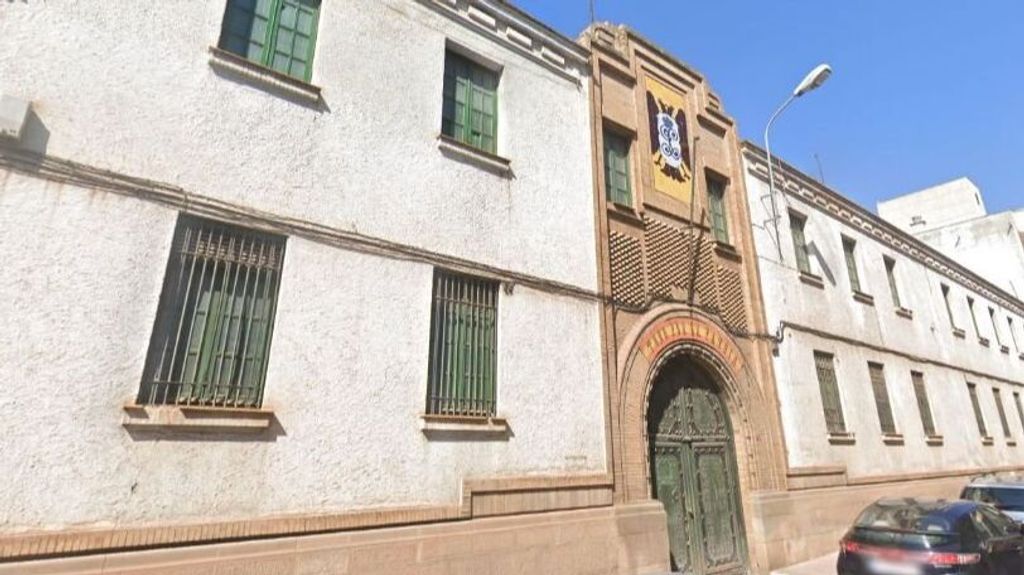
[924,91]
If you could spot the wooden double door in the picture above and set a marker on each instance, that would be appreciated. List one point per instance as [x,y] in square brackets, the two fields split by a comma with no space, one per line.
[694,472]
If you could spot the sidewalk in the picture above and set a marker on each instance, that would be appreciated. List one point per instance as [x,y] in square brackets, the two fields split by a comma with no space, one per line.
[821,566]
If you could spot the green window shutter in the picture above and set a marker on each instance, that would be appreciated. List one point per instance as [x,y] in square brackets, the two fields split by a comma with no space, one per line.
[463,346]
[976,404]
[923,405]
[824,364]
[470,107]
[1001,409]
[716,204]
[279,34]
[890,272]
[617,174]
[796,227]
[882,403]
[216,316]
[850,252]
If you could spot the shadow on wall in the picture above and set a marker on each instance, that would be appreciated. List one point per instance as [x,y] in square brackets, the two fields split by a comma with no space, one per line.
[268,435]
[812,249]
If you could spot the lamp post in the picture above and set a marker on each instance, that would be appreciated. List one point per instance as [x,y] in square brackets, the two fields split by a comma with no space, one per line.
[811,82]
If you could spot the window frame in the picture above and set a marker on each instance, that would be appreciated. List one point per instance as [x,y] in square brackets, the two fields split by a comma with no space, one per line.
[612,136]
[979,415]
[894,290]
[995,326]
[924,406]
[883,400]
[850,256]
[798,233]
[456,61]
[828,390]
[1013,333]
[946,291]
[716,189]
[997,396]
[974,318]
[270,38]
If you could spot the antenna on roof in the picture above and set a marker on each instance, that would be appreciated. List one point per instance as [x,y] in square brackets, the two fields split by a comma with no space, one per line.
[821,172]
[593,12]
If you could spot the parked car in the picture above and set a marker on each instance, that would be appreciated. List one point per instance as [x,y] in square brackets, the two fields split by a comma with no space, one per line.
[1004,493]
[932,537]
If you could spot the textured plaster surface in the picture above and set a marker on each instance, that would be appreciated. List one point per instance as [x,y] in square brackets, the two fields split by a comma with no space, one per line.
[127,86]
[927,336]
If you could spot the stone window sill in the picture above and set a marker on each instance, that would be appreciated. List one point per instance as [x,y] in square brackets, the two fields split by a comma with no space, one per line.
[625,213]
[453,424]
[842,438]
[187,418]
[1021,357]
[497,164]
[905,313]
[988,441]
[727,251]
[935,440]
[264,76]
[864,298]
[892,438]
[984,341]
[1005,349]
[959,333]
[812,280]
[1011,442]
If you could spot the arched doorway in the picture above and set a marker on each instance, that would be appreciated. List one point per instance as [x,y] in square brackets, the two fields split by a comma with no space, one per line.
[693,469]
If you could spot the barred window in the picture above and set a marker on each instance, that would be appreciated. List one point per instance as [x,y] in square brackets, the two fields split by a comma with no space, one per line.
[832,405]
[976,404]
[216,317]
[463,346]
[998,397]
[882,403]
[923,405]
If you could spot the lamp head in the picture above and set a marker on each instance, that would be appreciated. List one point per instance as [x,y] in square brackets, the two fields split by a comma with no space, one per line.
[814,80]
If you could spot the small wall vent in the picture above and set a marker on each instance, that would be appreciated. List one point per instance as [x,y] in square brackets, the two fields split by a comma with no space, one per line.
[13,117]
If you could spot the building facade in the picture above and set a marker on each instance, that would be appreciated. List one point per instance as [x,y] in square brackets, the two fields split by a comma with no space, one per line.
[287,268]
[693,420]
[952,218]
[899,371]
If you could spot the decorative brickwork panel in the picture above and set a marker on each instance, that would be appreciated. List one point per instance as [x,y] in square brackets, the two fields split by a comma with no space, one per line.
[669,257]
[627,269]
[707,276]
[730,290]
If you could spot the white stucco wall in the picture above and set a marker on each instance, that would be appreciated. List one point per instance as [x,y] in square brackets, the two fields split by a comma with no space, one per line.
[925,210]
[127,86]
[991,247]
[854,327]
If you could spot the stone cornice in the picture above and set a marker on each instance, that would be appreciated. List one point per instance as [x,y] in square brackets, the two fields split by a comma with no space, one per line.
[797,184]
[517,30]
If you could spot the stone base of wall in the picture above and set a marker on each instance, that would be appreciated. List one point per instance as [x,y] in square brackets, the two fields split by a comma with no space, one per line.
[796,526]
[626,540]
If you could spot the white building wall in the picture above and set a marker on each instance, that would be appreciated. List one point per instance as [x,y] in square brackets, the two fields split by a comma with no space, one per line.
[925,210]
[127,86]
[829,319]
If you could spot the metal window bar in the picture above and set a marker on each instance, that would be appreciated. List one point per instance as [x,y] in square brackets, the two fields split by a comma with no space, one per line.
[923,405]
[882,403]
[998,396]
[213,331]
[976,404]
[831,404]
[850,252]
[890,272]
[796,226]
[463,346]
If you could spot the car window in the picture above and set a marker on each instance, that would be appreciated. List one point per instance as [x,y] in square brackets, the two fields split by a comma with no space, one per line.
[991,524]
[1000,497]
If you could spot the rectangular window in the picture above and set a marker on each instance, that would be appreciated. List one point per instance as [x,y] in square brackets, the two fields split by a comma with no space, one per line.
[976,404]
[1013,334]
[616,169]
[998,396]
[212,336]
[1020,408]
[824,363]
[463,346]
[923,405]
[890,272]
[470,109]
[850,251]
[797,223]
[279,34]
[995,326]
[717,207]
[882,403]
[974,317]
[949,307]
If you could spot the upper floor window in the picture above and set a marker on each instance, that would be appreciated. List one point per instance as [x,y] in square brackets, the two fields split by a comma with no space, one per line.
[995,327]
[1020,408]
[974,320]
[1001,410]
[279,34]
[882,403]
[923,405]
[850,252]
[890,273]
[216,316]
[717,207]
[470,109]
[824,364]
[949,307]
[797,223]
[463,346]
[972,390]
[616,169]
[1013,334]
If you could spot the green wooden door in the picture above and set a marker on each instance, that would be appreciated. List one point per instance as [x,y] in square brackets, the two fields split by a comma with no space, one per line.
[694,473]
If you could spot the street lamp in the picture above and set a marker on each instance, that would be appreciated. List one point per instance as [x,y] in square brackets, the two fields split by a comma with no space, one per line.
[811,82]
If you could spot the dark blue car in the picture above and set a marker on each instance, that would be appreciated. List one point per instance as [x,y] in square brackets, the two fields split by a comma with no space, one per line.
[932,537]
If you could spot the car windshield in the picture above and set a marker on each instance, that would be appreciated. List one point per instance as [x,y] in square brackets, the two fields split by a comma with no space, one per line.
[1000,497]
[909,517]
